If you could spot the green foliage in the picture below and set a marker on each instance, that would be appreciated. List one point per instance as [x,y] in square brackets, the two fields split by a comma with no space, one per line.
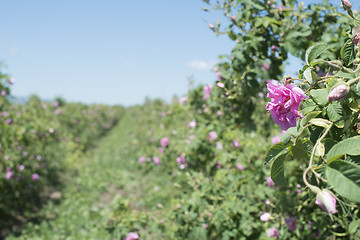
[43,139]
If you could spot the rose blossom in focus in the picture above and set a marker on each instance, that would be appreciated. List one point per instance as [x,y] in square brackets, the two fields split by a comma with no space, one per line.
[284,105]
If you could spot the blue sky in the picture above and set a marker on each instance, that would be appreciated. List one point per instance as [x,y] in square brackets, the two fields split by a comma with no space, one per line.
[111,52]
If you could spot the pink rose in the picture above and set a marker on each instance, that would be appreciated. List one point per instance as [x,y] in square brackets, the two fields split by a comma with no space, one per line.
[270,182]
[284,105]
[265,217]
[35,177]
[240,166]
[164,142]
[141,159]
[272,232]
[156,160]
[212,136]
[207,91]
[132,236]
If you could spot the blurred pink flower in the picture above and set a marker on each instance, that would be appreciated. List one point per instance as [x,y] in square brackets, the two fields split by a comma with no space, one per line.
[164,142]
[265,217]
[274,48]
[141,159]
[9,121]
[276,139]
[284,105]
[161,150]
[220,85]
[270,182]
[192,124]
[4,114]
[218,74]
[9,174]
[156,160]
[21,168]
[3,93]
[183,99]
[240,166]
[236,144]
[219,113]
[291,223]
[180,159]
[272,232]
[58,111]
[212,136]
[326,201]
[35,177]
[207,91]
[132,236]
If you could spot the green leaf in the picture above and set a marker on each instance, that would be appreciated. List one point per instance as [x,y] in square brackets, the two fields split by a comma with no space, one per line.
[320,96]
[334,112]
[285,138]
[301,148]
[274,151]
[277,171]
[314,51]
[292,131]
[354,226]
[310,75]
[349,146]
[347,52]
[305,120]
[345,178]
